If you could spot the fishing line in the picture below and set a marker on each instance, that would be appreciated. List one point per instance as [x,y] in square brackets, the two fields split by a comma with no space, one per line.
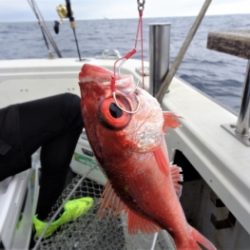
[122,60]
[119,73]
[154,241]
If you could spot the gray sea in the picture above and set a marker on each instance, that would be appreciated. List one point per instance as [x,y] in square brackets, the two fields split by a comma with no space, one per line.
[219,75]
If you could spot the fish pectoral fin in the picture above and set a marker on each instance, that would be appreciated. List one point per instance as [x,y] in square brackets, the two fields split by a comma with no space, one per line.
[177,178]
[161,159]
[171,120]
[138,223]
[175,171]
[111,203]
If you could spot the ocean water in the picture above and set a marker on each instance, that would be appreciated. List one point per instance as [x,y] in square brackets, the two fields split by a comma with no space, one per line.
[218,75]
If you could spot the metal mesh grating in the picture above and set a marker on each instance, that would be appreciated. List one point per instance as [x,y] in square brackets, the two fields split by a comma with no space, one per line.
[89,232]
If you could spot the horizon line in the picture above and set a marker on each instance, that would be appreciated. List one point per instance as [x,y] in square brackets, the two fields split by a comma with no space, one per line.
[107,19]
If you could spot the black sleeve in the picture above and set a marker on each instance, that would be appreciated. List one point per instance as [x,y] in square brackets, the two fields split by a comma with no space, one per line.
[12,159]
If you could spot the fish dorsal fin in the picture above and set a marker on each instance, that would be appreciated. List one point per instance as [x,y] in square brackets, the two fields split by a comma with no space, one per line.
[138,223]
[171,120]
[177,178]
[111,203]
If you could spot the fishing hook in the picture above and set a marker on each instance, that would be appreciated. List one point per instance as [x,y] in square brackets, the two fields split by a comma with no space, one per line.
[128,111]
[119,73]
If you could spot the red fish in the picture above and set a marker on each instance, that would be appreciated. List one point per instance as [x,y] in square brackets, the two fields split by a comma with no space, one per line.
[126,132]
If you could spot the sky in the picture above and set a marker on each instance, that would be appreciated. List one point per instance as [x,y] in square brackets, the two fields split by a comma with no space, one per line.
[19,10]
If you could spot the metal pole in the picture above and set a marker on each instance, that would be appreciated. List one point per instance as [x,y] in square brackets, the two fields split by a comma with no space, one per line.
[243,122]
[73,26]
[77,45]
[159,54]
[167,80]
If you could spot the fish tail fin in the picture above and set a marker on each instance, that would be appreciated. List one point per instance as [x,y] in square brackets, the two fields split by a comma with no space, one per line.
[202,240]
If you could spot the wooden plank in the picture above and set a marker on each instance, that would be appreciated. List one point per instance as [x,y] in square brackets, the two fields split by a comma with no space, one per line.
[235,43]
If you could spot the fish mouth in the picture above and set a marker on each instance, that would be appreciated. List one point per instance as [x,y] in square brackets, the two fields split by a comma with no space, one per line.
[90,73]
[103,77]
[126,83]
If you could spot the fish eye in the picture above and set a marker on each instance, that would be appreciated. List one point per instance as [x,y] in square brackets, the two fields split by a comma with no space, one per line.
[111,115]
[114,110]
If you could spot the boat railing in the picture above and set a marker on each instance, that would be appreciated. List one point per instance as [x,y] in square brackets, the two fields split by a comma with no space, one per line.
[236,43]
[242,126]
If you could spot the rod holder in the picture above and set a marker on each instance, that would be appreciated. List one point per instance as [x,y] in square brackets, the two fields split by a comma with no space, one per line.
[241,129]
[242,126]
[159,54]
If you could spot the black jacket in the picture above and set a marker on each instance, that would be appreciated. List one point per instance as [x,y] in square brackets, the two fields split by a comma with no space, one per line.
[11,154]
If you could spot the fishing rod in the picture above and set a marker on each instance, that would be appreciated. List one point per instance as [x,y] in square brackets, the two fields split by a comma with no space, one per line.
[73,25]
[47,37]
[66,12]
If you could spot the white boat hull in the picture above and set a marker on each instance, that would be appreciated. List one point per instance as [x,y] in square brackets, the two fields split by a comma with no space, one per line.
[222,162]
